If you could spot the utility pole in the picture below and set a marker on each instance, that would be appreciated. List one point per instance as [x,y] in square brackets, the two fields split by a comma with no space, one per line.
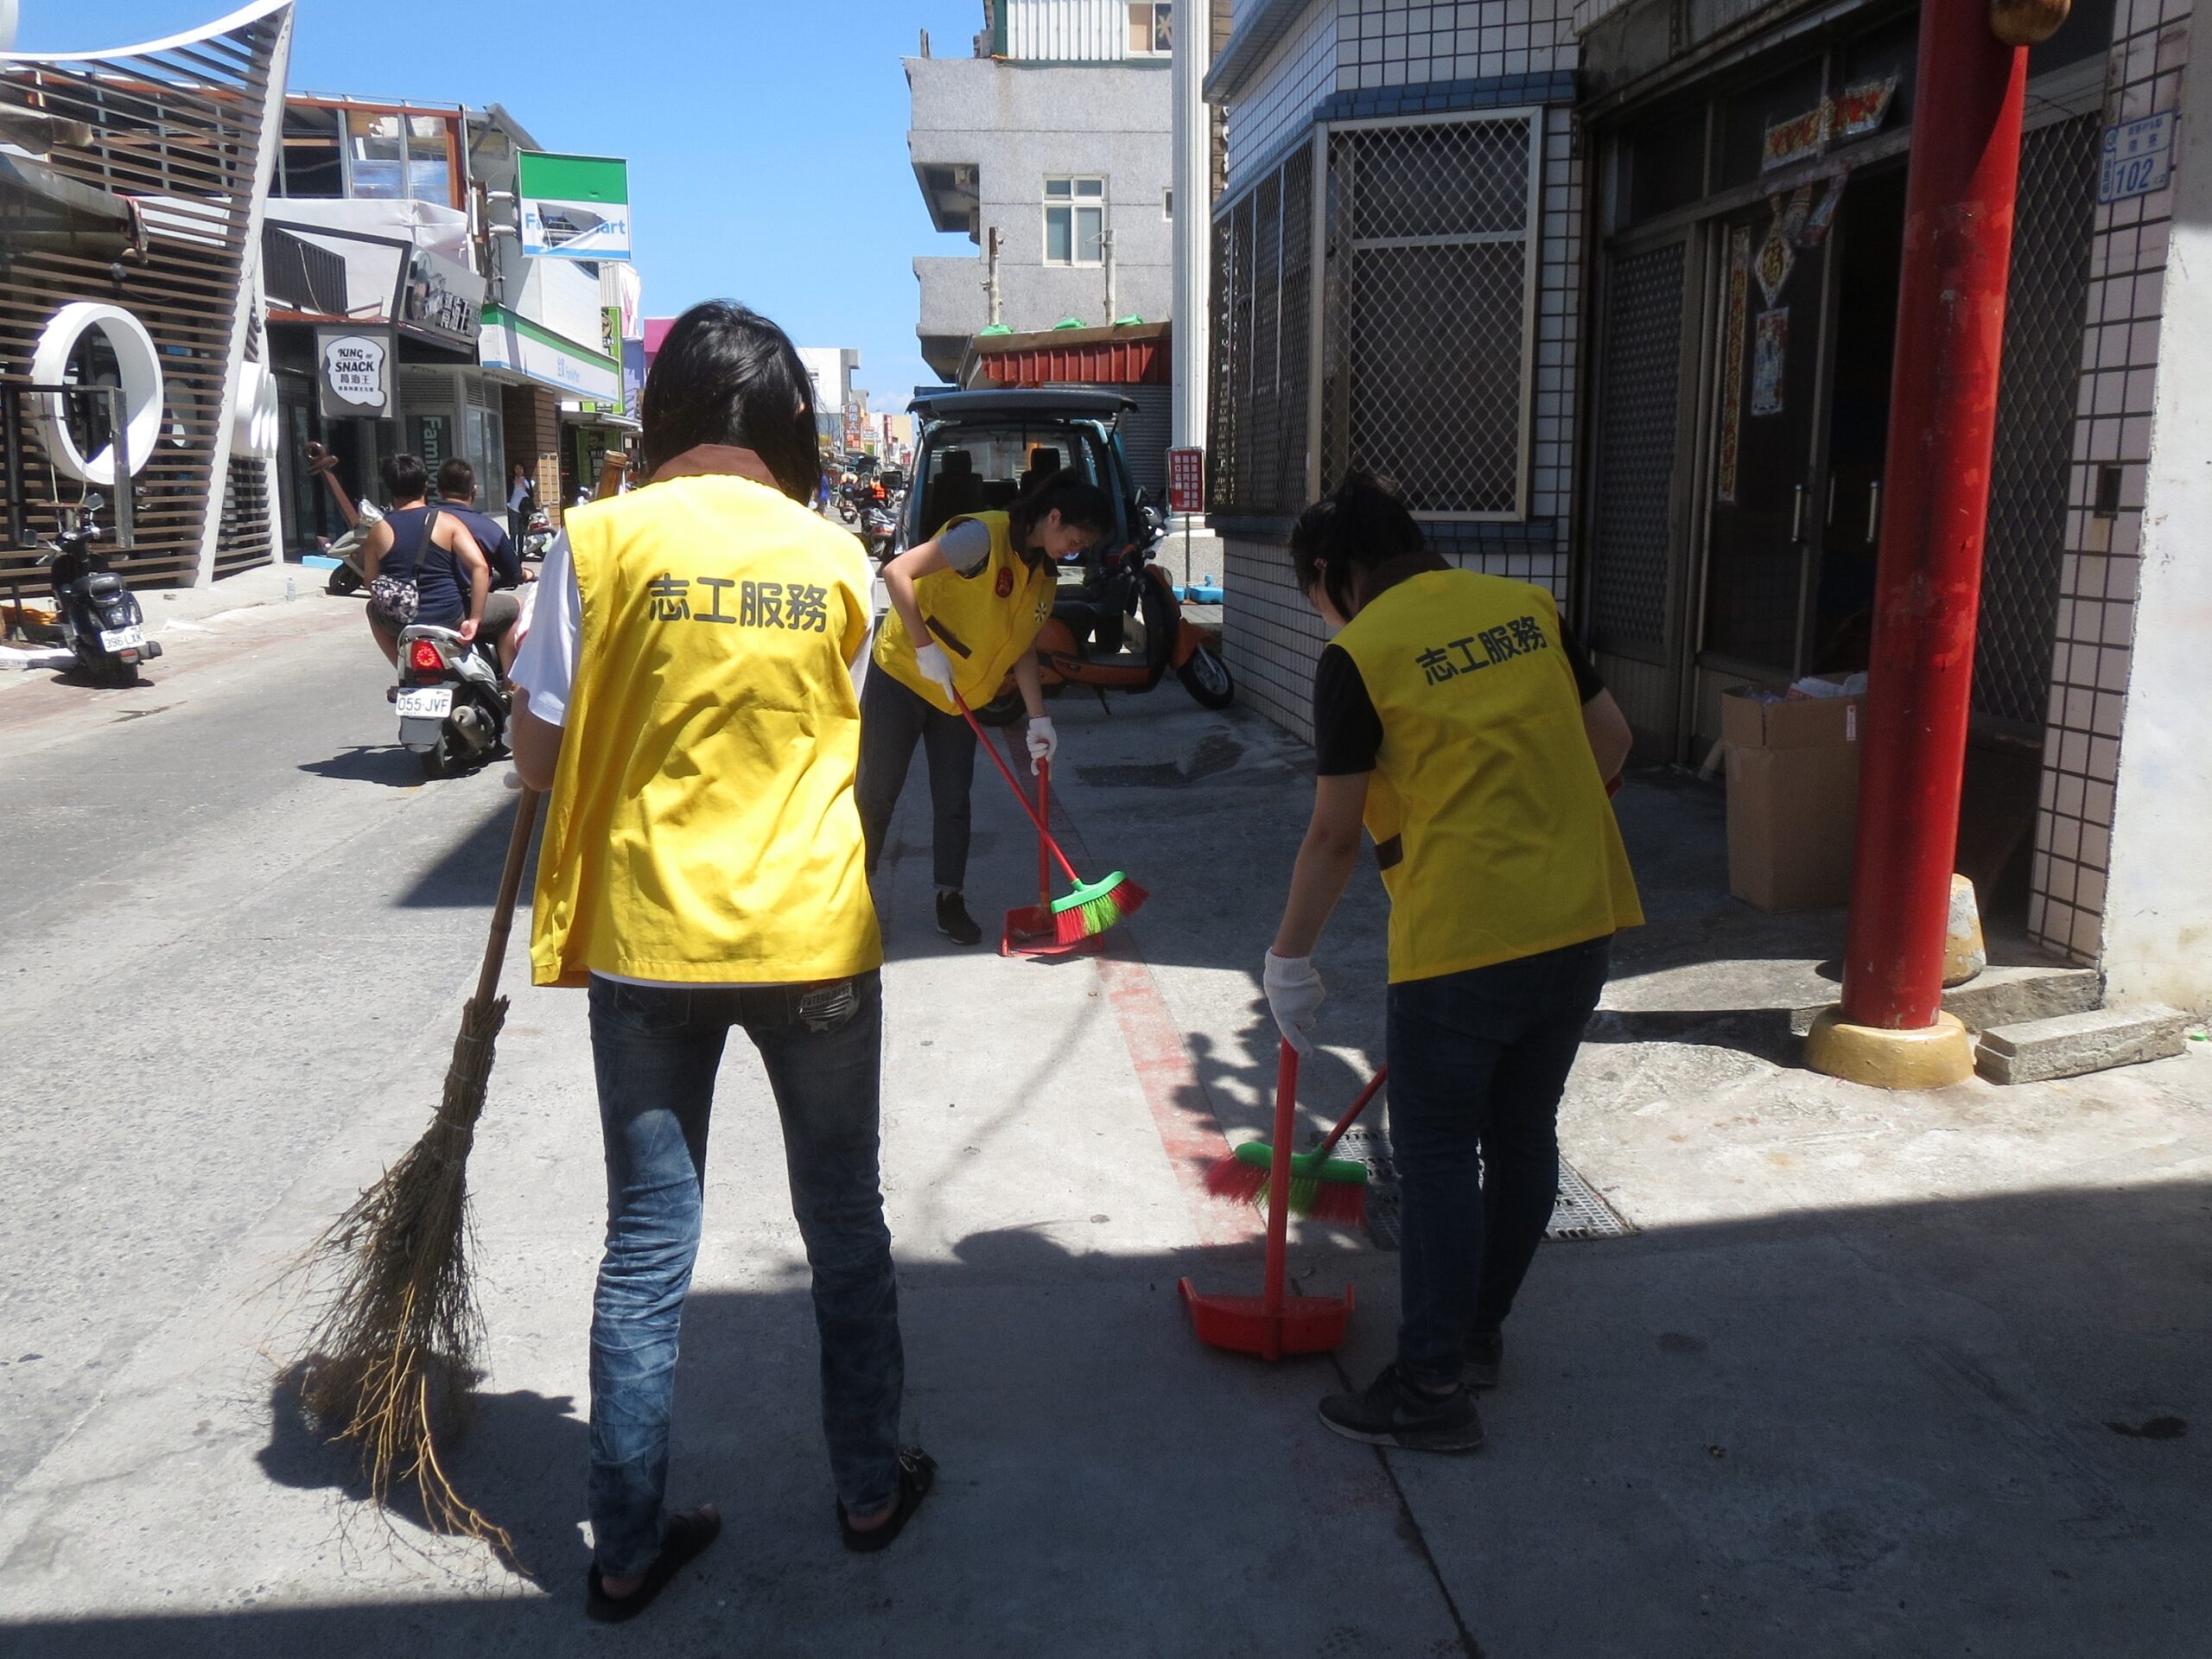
[1960,195]
[991,272]
[1106,251]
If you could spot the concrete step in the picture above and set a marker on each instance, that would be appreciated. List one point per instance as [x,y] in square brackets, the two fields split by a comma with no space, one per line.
[1995,996]
[2069,1044]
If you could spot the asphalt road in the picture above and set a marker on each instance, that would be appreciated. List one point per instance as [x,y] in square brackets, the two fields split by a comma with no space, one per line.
[228,901]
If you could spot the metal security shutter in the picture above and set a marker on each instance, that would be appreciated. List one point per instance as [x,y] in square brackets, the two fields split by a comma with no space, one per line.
[1146,432]
[2046,299]
[1632,485]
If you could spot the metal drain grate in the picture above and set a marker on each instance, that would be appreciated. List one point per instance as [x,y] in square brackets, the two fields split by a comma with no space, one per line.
[1577,1212]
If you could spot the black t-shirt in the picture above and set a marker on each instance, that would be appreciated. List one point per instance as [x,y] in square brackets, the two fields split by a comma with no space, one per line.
[492,540]
[1348,732]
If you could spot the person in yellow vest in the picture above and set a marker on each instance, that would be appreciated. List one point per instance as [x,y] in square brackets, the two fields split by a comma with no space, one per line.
[687,698]
[966,606]
[1458,721]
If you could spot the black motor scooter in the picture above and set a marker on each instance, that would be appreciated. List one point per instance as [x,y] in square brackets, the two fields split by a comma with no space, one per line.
[98,614]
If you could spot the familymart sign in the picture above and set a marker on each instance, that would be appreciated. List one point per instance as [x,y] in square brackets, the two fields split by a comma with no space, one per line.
[574,206]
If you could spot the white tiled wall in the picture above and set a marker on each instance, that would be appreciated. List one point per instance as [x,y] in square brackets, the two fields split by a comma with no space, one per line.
[1300,73]
[1403,42]
[2096,608]
[1271,636]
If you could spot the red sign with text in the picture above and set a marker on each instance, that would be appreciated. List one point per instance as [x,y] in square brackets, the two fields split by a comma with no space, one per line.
[1187,481]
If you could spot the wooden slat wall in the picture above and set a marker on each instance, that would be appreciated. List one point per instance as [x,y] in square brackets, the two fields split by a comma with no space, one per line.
[183,125]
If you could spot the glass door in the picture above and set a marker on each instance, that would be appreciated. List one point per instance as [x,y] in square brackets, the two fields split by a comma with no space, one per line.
[1767,507]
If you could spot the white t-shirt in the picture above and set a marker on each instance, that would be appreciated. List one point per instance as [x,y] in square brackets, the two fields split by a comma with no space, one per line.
[545,669]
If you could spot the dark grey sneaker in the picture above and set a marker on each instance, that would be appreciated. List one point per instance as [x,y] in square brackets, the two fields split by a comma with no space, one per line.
[1486,1356]
[1393,1412]
[954,921]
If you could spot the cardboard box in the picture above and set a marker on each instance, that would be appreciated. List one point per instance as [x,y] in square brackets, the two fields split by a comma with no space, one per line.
[1793,799]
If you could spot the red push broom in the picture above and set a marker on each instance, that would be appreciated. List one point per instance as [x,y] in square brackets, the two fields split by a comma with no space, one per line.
[1329,1189]
[1093,906]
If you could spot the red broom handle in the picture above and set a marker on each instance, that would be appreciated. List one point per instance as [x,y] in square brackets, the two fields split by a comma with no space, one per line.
[1019,794]
[1044,811]
[1279,1200]
[1345,1123]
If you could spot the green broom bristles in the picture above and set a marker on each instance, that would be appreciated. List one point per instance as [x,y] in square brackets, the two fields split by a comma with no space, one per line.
[1328,1189]
[1095,907]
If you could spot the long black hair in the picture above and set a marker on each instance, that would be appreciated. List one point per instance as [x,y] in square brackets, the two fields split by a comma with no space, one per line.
[726,374]
[1075,498]
[1362,523]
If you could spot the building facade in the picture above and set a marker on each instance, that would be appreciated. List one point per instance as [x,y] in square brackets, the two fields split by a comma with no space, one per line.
[1610,287]
[131,263]
[1050,150]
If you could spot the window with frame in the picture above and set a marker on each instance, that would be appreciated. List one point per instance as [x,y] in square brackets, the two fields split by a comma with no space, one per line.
[1427,314]
[397,157]
[1075,221]
[1152,29]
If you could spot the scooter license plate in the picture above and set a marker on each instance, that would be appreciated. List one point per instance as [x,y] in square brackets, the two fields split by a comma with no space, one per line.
[425,702]
[131,639]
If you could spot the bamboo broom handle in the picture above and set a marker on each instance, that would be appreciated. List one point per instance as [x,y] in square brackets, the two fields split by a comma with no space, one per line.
[503,912]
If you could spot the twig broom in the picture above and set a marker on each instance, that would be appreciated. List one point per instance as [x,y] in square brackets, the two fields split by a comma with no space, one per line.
[393,1356]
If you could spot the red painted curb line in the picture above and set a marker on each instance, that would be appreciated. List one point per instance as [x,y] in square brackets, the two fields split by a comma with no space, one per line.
[1189,1132]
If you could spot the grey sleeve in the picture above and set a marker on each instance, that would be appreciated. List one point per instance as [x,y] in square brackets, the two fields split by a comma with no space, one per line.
[966,546]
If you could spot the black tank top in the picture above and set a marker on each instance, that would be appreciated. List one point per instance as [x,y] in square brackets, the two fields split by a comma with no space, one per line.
[431,568]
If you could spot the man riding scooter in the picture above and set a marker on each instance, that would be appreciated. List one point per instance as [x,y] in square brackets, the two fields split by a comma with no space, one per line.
[457,495]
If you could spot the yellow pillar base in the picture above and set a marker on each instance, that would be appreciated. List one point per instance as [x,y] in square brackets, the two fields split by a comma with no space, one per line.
[1941,1054]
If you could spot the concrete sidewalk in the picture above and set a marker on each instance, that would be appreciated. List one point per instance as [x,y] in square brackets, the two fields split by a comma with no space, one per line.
[1878,1375]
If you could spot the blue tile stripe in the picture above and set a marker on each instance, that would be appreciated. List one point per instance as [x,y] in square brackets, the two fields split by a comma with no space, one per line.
[1447,97]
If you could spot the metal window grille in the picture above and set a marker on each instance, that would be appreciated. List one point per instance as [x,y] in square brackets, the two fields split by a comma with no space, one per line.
[1429,308]
[1264,261]
[1635,453]
[2046,299]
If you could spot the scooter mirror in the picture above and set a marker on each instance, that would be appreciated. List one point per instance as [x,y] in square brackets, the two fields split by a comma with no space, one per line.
[95,502]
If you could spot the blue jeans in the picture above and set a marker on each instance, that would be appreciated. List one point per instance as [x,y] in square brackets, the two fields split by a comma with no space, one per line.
[656,1051]
[1478,1061]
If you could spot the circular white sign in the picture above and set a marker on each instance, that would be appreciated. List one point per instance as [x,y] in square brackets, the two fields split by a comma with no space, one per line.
[140,367]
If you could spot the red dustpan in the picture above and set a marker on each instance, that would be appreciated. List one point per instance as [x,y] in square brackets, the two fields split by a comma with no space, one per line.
[1271,1324]
[1032,931]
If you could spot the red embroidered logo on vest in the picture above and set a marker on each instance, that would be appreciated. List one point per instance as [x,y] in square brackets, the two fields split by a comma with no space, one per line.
[1006,583]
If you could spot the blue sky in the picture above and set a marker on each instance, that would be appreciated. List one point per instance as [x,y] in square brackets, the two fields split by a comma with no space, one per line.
[767,142]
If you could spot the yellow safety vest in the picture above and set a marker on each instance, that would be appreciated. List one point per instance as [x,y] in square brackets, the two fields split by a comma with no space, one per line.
[986,622]
[1490,820]
[702,826]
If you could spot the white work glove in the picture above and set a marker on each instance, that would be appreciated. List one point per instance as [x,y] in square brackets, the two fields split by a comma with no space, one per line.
[935,667]
[1295,995]
[1044,743]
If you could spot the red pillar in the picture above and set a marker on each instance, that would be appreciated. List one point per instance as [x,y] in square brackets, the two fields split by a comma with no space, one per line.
[1958,246]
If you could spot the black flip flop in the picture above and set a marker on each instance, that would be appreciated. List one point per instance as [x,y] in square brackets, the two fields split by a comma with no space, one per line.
[916,1474]
[681,1541]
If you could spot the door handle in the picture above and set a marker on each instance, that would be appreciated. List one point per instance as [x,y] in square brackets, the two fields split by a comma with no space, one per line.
[1797,513]
[1873,510]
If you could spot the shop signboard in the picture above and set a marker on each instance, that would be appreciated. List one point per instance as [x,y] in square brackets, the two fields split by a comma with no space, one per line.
[633,377]
[574,206]
[443,297]
[353,373]
[522,347]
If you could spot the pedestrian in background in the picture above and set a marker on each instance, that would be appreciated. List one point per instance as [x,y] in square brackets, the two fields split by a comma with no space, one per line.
[1456,719]
[688,701]
[522,500]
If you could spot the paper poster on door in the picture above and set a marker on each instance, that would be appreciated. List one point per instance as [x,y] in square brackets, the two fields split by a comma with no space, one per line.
[1769,351]
[1777,259]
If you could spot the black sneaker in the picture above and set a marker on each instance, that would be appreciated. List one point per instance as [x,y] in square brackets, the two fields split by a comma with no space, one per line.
[954,921]
[1394,1413]
[1486,1356]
